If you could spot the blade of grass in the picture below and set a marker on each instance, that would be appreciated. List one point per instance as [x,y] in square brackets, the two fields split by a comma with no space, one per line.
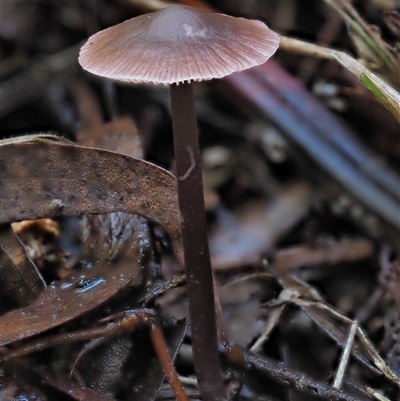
[391,106]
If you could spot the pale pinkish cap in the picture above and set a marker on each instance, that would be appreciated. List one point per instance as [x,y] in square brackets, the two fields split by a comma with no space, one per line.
[178,44]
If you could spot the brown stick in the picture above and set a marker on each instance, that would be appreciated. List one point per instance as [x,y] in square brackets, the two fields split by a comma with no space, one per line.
[160,346]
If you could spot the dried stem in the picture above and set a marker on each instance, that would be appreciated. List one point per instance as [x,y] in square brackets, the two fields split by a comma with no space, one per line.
[246,361]
[345,356]
[165,359]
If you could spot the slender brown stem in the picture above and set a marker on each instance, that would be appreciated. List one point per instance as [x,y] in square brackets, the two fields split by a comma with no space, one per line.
[195,244]
[161,348]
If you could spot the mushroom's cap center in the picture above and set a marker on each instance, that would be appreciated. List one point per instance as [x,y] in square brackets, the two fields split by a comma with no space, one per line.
[177,23]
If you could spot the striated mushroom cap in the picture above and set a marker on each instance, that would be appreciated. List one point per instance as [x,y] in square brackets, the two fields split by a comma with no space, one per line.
[178,44]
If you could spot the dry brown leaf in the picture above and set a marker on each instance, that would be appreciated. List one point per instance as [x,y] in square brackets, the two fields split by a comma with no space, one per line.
[70,298]
[42,178]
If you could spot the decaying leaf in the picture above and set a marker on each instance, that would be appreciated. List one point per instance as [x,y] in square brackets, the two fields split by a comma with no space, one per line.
[71,297]
[104,236]
[41,178]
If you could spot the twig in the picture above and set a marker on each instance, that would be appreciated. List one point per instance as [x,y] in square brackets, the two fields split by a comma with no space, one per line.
[165,359]
[345,356]
[269,326]
[377,395]
[246,361]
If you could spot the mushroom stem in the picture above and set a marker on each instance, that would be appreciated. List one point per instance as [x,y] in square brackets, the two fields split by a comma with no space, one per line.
[195,244]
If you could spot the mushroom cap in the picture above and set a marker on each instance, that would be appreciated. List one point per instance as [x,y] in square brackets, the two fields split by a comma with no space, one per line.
[178,44]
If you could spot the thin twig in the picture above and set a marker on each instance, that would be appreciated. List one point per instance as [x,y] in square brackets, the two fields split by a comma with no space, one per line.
[345,356]
[269,326]
[245,361]
[165,359]
[377,395]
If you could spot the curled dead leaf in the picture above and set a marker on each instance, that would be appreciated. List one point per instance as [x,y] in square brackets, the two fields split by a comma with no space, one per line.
[45,178]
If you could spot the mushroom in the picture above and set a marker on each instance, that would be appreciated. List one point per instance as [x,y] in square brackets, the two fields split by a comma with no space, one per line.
[176,46]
